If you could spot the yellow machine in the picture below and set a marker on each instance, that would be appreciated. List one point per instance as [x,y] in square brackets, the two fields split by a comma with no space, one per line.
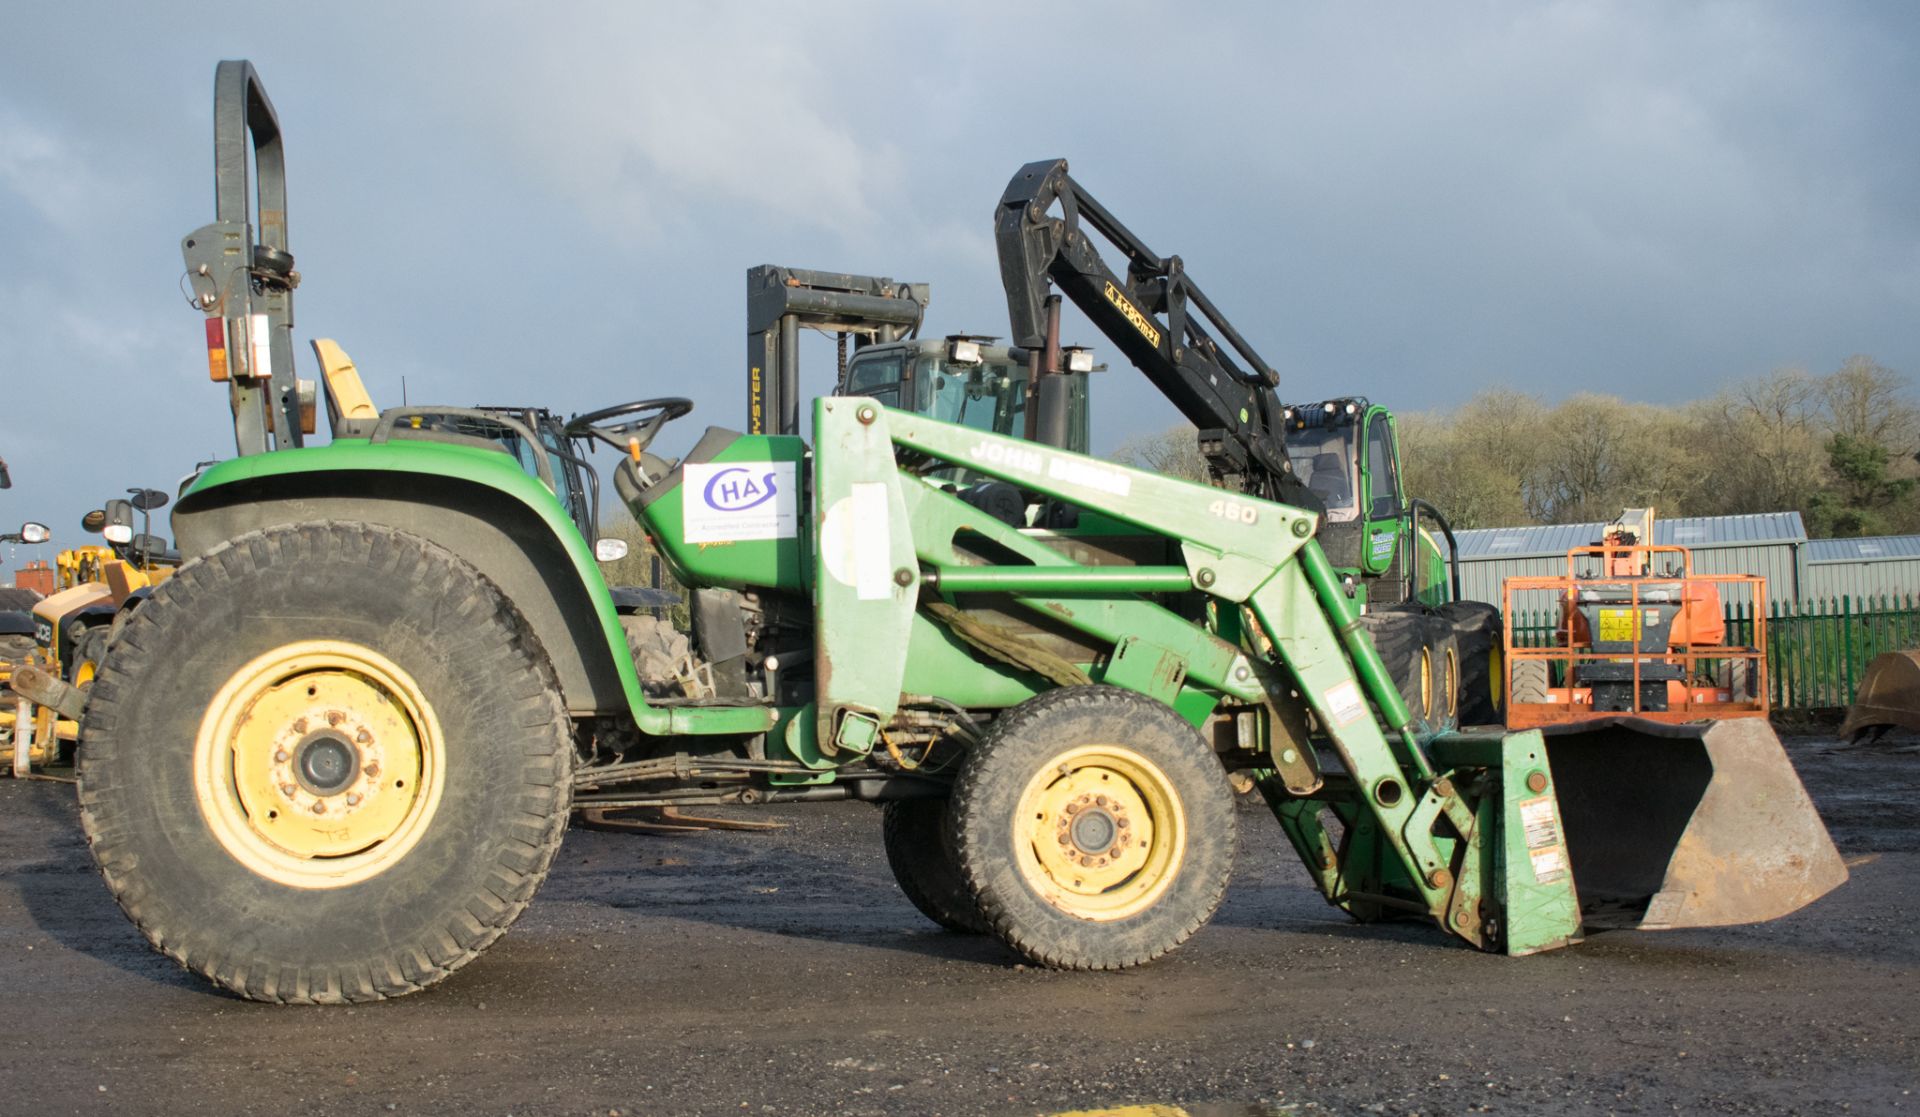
[95,585]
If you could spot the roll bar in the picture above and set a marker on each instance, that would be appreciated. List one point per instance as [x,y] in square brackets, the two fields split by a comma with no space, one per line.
[242,273]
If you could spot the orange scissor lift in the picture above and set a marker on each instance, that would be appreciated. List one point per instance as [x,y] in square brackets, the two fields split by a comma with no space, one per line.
[1631,641]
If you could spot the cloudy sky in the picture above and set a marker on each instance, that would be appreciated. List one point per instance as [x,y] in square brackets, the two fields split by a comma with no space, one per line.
[556,203]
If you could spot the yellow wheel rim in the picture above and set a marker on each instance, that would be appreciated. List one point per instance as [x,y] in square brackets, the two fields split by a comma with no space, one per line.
[319,764]
[1100,833]
[1453,684]
[1426,682]
[1496,676]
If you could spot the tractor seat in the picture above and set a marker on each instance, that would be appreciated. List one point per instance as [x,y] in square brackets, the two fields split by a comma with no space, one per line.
[631,479]
[1327,481]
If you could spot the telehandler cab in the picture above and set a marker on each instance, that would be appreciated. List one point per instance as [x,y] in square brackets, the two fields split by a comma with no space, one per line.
[332,758]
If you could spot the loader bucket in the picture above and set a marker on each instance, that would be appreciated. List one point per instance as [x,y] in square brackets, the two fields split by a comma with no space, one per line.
[1889,695]
[1696,825]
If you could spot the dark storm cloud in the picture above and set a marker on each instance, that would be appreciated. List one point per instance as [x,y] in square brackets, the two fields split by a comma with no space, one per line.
[557,206]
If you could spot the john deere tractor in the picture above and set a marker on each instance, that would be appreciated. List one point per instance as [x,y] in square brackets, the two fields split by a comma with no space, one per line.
[332,758]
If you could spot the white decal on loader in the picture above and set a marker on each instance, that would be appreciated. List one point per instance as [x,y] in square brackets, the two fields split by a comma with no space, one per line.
[1343,702]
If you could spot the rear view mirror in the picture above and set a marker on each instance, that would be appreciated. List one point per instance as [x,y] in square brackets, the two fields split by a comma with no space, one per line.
[118,533]
[93,521]
[147,500]
[31,532]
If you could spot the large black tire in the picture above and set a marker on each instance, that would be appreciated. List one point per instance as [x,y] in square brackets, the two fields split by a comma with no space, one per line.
[1531,681]
[1081,770]
[1478,637]
[433,674]
[1420,654]
[88,653]
[920,853]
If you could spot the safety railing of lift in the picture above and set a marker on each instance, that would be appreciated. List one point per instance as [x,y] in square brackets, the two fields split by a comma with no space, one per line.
[1719,680]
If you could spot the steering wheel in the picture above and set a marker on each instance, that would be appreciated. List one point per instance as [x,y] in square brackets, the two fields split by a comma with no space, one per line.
[647,417]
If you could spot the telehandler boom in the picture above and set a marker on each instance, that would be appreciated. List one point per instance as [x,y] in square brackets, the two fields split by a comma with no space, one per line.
[332,758]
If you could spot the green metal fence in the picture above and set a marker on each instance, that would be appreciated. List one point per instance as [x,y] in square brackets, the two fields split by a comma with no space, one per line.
[1816,650]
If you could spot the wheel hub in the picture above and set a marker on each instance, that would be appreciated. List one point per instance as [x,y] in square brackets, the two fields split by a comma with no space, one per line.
[323,765]
[1092,833]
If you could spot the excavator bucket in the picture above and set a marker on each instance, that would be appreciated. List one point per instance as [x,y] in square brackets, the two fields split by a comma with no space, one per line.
[1889,696]
[1696,825]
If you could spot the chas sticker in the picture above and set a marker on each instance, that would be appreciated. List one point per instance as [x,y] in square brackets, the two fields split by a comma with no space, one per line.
[728,501]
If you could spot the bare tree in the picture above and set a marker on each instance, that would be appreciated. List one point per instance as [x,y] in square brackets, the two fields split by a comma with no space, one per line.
[1174,452]
[1868,401]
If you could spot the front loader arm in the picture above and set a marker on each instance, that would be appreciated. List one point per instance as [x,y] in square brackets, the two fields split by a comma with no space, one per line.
[1239,550]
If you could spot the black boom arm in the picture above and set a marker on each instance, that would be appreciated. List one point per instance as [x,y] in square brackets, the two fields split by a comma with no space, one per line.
[1157,316]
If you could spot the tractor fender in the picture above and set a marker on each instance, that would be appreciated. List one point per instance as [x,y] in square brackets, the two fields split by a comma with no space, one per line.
[481,507]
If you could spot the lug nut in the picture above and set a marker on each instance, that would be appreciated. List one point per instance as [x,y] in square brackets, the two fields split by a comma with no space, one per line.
[353,798]
[319,808]
[335,717]
[363,737]
[280,756]
[300,726]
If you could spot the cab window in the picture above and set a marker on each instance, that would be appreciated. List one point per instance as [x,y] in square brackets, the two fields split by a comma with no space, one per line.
[1383,484]
[878,378]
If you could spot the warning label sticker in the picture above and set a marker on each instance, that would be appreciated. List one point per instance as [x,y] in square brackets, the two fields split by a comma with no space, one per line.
[1549,865]
[1617,625]
[1344,703]
[1540,821]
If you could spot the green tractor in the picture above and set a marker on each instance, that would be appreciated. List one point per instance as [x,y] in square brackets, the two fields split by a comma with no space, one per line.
[333,757]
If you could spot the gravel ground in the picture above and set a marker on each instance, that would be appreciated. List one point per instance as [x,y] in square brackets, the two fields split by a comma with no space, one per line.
[784,973]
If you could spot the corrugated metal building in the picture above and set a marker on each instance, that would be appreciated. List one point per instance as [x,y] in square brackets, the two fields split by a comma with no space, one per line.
[1862,569]
[1769,544]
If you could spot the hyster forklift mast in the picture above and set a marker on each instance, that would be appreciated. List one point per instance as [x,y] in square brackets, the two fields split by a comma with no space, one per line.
[963,378]
[781,300]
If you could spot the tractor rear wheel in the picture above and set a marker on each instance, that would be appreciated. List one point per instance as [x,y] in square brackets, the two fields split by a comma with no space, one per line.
[920,853]
[1095,828]
[328,763]
[1421,654]
[1477,636]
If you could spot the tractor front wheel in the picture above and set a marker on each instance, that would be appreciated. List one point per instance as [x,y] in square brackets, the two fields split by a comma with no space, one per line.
[920,853]
[1095,828]
[327,763]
